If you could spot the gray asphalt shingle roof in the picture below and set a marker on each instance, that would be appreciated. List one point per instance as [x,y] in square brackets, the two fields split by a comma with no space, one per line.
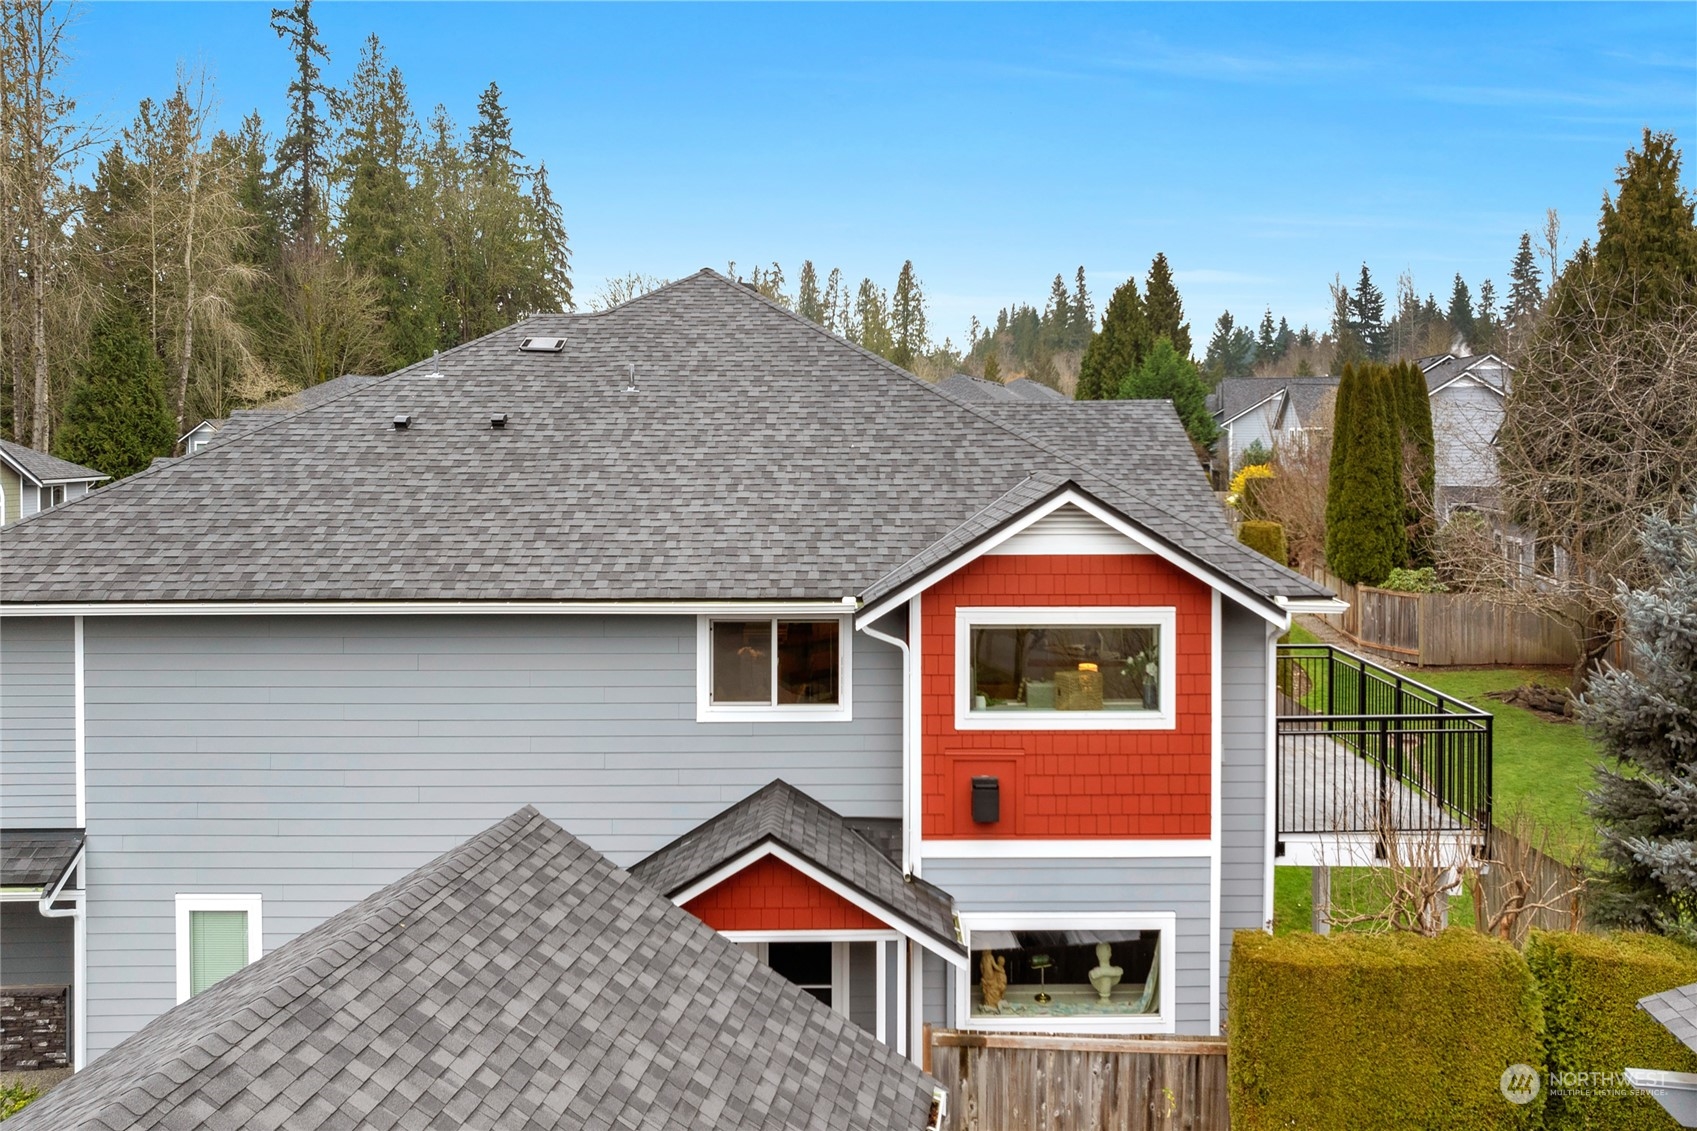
[780,813]
[44,468]
[33,858]
[760,458]
[520,981]
[978,390]
[1676,1009]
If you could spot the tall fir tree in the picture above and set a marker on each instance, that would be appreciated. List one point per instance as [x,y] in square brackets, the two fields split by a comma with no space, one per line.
[303,160]
[1083,311]
[808,303]
[1267,338]
[1644,718]
[1165,375]
[1460,317]
[1057,315]
[1347,346]
[1231,351]
[1118,349]
[117,420]
[833,304]
[1646,234]
[872,319]
[1486,322]
[1525,293]
[1367,316]
[1165,309]
[1366,511]
[908,332]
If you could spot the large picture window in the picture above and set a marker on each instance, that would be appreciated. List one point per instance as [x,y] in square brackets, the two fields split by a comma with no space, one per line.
[771,667]
[1095,668]
[1107,973]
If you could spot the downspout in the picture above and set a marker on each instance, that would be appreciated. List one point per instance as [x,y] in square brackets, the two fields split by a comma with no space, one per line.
[79,952]
[909,709]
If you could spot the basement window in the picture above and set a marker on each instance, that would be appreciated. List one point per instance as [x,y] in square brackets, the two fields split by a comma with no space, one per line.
[772,668]
[1106,973]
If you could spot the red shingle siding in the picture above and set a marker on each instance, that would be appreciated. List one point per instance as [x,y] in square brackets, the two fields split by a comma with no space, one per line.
[1070,784]
[770,895]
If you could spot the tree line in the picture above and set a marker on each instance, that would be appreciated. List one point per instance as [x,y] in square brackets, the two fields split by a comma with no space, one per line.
[250,262]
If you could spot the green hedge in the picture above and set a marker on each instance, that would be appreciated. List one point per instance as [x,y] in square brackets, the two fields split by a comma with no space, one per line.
[1357,1032]
[1591,985]
[1265,537]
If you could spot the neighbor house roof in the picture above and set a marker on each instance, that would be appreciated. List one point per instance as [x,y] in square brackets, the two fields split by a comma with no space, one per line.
[1234,396]
[36,858]
[979,390]
[43,469]
[778,813]
[1676,1009]
[758,457]
[518,981]
[1487,368]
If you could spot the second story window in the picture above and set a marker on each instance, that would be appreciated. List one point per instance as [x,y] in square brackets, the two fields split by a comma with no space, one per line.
[774,667]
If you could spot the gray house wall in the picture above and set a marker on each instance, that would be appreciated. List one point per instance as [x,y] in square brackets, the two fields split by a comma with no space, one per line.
[1243,777]
[1465,419]
[314,759]
[37,724]
[1252,426]
[36,950]
[1098,885]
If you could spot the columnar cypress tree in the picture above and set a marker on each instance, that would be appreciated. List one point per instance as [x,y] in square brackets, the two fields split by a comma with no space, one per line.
[1645,803]
[1165,309]
[1419,455]
[1118,349]
[117,420]
[1365,508]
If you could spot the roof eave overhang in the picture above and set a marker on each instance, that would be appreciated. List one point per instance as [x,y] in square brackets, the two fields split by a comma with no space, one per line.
[1268,608]
[1251,408]
[757,607]
[771,845]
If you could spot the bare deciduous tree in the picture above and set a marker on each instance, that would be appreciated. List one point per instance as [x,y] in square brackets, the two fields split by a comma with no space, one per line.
[1296,495]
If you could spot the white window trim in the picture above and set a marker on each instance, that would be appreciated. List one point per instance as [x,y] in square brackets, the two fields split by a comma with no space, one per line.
[197,901]
[706,711]
[759,941]
[1164,1020]
[1163,618]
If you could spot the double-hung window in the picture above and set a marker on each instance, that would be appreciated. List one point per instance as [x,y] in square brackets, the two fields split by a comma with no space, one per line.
[216,936]
[1065,668]
[772,669]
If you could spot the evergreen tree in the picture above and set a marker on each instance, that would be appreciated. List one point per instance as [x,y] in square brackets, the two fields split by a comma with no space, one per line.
[1283,339]
[1419,458]
[1164,307]
[1348,349]
[1083,312]
[118,421]
[808,303]
[1485,322]
[1460,316]
[1167,376]
[1367,316]
[490,145]
[1120,347]
[1231,351]
[1645,719]
[872,319]
[1366,535]
[1057,315]
[1646,233]
[992,366]
[1525,292]
[303,154]
[908,340]
[1267,341]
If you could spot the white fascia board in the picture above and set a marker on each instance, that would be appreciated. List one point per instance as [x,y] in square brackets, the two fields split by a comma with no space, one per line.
[1328,605]
[19,469]
[1254,604]
[1256,405]
[1471,378]
[825,880]
[425,608]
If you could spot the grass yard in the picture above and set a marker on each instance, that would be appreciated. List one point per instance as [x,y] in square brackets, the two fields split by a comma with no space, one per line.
[1354,891]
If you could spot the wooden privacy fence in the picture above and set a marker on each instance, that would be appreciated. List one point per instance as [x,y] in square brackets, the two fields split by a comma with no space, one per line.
[1521,871]
[1450,629]
[1025,1081]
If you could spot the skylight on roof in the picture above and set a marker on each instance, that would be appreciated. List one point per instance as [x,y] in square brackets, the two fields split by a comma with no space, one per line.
[542,345]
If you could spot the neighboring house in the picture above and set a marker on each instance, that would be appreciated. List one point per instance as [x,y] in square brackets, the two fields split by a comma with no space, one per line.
[1466,395]
[200,435]
[519,981]
[243,420]
[978,390]
[739,604]
[32,481]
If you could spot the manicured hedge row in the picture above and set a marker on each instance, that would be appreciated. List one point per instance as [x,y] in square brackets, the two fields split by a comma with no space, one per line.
[1266,537]
[1356,1032]
[1591,985]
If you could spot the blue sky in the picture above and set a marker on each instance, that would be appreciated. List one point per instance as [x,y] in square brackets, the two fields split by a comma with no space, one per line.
[1263,147]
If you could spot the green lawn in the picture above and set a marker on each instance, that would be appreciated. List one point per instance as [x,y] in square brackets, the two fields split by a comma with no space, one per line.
[1354,890]
[1539,765]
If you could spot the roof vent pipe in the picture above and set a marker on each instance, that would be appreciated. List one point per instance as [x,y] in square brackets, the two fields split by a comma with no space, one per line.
[630,386]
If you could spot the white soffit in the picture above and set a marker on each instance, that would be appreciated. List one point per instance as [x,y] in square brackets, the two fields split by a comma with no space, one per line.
[1068,530]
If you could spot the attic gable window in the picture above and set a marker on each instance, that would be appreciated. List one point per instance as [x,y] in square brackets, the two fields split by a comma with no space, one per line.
[773,668]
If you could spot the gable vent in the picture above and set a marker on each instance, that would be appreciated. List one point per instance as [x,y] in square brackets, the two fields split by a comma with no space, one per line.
[542,345]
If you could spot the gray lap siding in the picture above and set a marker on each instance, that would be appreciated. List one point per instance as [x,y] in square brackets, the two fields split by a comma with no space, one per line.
[37,723]
[1243,777]
[314,759]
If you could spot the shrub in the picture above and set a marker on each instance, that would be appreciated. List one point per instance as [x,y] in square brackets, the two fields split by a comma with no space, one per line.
[14,1097]
[1264,537]
[1591,985]
[1240,481]
[1424,580]
[1357,1032]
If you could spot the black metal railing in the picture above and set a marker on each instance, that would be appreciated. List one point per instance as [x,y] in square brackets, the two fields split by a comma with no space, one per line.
[1363,749]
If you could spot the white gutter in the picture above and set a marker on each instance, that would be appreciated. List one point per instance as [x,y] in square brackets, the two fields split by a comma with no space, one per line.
[1324,605]
[1675,1091]
[909,748]
[416,608]
[79,952]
